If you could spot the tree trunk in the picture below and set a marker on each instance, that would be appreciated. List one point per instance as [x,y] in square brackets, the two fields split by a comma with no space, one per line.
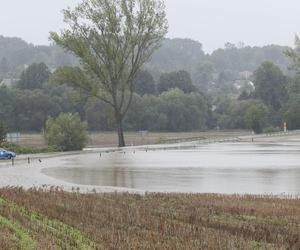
[120,132]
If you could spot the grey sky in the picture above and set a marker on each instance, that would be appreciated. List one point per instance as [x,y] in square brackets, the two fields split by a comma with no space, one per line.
[212,22]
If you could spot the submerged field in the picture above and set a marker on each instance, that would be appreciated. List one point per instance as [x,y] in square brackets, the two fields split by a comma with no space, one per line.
[58,220]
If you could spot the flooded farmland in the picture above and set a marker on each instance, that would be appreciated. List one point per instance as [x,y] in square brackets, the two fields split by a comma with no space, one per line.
[255,168]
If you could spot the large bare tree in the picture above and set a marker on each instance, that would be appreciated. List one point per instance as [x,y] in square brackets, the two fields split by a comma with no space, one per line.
[112,39]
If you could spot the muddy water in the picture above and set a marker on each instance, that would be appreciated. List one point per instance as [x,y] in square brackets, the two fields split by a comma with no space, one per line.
[216,168]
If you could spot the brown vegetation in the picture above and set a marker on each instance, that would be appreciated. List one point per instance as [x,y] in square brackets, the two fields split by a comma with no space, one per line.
[153,221]
[7,238]
[109,139]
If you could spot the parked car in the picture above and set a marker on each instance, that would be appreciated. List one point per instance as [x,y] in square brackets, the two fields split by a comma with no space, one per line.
[4,154]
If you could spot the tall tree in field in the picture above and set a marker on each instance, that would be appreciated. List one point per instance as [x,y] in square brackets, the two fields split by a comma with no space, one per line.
[112,39]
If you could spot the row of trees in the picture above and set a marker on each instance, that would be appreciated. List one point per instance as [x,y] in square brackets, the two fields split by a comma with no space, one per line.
[273,101]
[15,54]
[172,110]
[174,55]
[26,109]
[112,41]
[179,107]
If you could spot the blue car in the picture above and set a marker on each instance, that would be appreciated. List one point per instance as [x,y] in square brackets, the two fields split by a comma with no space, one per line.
[4,154]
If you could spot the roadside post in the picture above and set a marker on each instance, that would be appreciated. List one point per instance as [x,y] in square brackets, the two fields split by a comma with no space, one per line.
[285,127]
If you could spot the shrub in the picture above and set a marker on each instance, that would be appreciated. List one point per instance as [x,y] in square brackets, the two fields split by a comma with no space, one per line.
[256,116]
[269,130]
[66,132]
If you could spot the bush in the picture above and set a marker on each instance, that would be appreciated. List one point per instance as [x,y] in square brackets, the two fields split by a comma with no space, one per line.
[256,116]
[269,130]
[66,132]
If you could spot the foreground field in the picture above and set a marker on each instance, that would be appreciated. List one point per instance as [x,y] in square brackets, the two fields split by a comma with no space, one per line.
[58,220]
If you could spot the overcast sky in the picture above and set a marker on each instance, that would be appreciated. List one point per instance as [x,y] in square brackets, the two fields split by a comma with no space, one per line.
[212,22]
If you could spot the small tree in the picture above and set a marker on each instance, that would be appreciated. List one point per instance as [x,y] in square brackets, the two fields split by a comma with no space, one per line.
[66,132]
[256,117]
[3,131]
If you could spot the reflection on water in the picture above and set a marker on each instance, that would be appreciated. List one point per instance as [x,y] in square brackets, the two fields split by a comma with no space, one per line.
[218,168]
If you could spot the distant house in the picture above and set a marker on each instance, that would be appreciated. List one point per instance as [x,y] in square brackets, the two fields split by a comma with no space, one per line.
[245,85]
[245,74]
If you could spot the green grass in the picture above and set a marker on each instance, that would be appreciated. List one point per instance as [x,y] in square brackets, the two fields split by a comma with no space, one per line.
[59,235]
[24,239]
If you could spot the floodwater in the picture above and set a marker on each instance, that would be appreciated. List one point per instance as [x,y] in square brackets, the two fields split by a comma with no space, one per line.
[216,168]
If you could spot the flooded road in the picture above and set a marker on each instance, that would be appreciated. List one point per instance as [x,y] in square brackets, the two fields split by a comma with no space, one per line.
[216,168]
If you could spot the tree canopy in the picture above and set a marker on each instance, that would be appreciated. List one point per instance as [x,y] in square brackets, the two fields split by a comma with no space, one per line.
[112,39]
[256,116]
[144,83]
[270,85]
[34,76]
[177,79]
[66,132]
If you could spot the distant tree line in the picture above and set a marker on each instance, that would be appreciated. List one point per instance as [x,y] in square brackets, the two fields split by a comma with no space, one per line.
[222,65]
[273,101]
[180,89]
[169,105]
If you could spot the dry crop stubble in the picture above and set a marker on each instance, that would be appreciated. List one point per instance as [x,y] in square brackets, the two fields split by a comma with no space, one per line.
[152,221]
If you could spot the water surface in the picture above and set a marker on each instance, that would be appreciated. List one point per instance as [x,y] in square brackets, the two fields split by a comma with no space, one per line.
[215,168]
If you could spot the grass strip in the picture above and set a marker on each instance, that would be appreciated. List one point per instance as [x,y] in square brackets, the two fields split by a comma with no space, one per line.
[66,236]
[25,240]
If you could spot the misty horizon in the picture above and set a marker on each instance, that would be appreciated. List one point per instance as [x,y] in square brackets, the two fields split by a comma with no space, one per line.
[239,44]
[212,23]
